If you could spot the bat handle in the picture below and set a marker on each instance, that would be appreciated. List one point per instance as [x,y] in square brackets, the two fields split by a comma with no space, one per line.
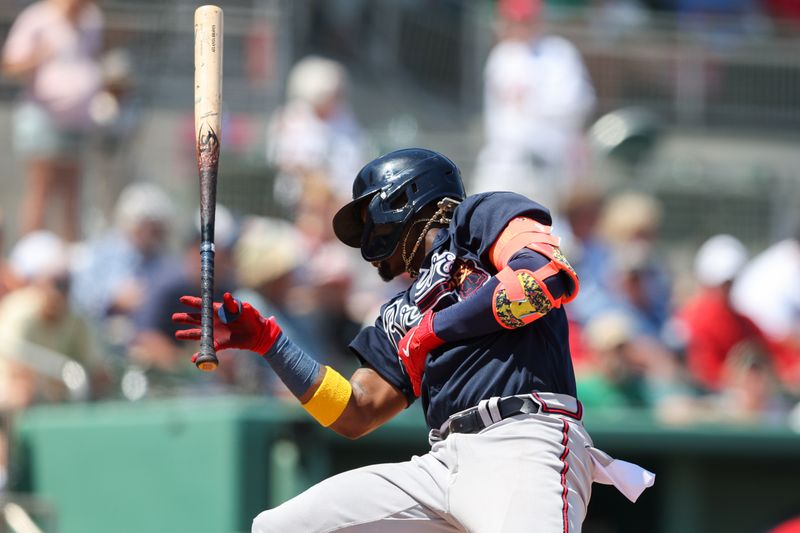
[207,360]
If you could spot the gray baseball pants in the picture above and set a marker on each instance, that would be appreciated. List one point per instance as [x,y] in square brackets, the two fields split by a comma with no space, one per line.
[528,473]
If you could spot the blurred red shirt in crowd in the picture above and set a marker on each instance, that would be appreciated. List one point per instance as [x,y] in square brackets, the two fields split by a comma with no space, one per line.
[714,328]
[784,9]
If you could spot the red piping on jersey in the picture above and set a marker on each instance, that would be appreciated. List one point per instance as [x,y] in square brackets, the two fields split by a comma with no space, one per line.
[577,415]
[433,295]
[564,492]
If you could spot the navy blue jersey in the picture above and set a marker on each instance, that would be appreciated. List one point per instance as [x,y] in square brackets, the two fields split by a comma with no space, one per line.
[460,374]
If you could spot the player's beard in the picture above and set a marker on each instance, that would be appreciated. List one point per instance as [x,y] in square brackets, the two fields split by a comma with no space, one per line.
[385,271]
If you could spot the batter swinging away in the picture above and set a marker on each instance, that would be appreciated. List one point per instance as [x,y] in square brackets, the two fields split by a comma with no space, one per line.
[480,337]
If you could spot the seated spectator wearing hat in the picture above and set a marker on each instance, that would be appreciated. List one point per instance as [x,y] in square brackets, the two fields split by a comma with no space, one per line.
[113,273]
[626,369]
[38,332]
[323,296]
[749,389]
[635,280]
[268,256]
[589,253]
[713,328]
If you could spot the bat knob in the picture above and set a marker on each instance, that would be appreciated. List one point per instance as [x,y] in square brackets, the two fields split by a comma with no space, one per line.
[207,365]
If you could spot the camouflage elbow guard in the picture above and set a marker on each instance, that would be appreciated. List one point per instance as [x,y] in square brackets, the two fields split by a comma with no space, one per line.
[520,299]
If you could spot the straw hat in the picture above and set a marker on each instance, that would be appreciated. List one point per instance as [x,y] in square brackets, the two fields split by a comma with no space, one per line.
[267,249]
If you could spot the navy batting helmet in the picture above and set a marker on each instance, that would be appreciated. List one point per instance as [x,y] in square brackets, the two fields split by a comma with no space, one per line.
[394,188]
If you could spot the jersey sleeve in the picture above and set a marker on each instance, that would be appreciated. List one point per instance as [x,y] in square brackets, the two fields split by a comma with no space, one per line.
[373,347]
[481,218]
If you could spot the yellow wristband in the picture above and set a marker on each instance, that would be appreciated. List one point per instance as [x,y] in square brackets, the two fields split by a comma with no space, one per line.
[330,399]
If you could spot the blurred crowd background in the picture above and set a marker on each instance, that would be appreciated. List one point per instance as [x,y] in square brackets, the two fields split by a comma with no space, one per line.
[661,133]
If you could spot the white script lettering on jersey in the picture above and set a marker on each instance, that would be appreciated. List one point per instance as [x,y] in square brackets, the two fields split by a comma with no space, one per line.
[434,282]
[401,315]
[398,317]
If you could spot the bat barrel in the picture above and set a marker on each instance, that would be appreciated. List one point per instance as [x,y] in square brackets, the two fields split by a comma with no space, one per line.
[207,360]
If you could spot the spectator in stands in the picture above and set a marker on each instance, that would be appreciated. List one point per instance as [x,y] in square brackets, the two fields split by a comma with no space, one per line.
[768,292]
[39,332]
[154,346]
[52,49]
[635,281]
[610,381]
[537,98]
[326,281]
[589,254]
[315,133]
[712,326]
[632,279]
[268,256]
[118,112]
[113,272]
[749,389]
[626,368]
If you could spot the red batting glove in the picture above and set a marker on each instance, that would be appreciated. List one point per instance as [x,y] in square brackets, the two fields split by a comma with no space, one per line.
[236,325]
[415,346]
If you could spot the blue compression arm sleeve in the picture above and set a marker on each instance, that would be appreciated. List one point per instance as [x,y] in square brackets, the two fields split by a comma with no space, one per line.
[473,317]
[293,366]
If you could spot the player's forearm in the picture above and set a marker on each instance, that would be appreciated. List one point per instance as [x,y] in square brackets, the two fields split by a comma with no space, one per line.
[373,403]
[322,391]
[351,408]
[301,373]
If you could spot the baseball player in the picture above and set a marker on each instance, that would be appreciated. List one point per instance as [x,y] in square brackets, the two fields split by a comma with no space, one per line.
[480,337]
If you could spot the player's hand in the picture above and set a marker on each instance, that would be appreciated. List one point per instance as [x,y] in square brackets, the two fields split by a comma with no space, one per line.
[236,325]
[414,348]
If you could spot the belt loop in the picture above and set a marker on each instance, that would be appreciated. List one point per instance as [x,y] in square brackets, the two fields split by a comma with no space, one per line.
[483,411]
[494,410]
[535,399]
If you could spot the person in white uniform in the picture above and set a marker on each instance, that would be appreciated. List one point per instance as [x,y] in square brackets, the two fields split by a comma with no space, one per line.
[537,98]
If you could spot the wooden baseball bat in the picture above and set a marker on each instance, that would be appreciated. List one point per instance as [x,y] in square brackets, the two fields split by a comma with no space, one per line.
[207,118]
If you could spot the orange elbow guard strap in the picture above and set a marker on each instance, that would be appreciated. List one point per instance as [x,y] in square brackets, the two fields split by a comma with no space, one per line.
[521,298]
[523,232]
